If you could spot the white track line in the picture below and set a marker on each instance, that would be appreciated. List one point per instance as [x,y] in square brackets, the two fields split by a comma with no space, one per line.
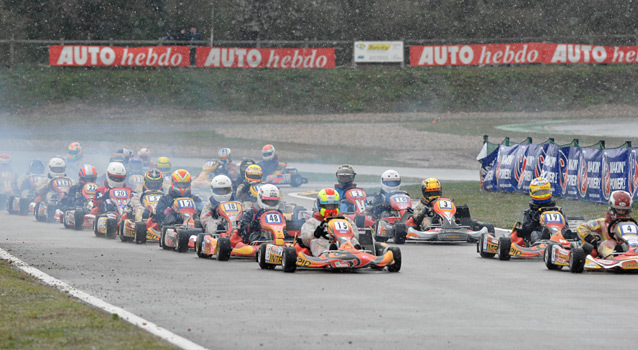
[101,304]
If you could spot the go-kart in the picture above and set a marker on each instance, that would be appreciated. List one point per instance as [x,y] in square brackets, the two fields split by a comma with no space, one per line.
[7,179]
[226,242]
[46,209]
[113,209]
[273,239]
[21,204]
[621,255]
[136,227]
[553,226]
[343,254]
[76,217]
[449,223]
[392,224]
[286,176]
[181,235]
[355,203]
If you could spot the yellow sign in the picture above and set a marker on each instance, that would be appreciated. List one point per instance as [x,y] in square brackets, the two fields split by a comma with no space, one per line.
[384,47]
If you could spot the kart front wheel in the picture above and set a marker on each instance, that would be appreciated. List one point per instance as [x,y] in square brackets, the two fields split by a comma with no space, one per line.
[199,246]
[577,260]
[400,231]
[289,259]
[480,244]
[261,258]
[547,257]
[224,249]
[504,245]
[396,266]
[140,232]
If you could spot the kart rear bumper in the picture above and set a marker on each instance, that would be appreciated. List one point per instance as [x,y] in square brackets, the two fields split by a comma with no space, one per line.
[444,235]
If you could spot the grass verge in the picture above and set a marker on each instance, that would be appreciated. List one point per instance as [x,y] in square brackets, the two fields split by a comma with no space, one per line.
[35,316]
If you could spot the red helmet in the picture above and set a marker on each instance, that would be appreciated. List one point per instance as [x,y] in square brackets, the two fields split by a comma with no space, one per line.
[620,203]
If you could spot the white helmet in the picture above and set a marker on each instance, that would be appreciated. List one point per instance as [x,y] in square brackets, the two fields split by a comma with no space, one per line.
[115,175]
[268,197]
[224,155]
[222,188]
[145,154]
[390,181]
[268,152]
[57,167]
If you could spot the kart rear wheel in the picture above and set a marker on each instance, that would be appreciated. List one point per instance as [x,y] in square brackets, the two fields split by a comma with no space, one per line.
[261,258]
[223,249]
[577,260]
[296,180]
[400,231]
[480,244]
[547,257]
[396,266]
[289,259]
[504,245]
[375,231]
[140,232]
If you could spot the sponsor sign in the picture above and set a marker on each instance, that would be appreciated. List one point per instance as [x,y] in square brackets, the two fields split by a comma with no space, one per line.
[378,51]
[239,57]
[520,53]
[112,56]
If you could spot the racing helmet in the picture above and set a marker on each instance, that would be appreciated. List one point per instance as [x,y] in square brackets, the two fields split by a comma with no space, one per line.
[57,167]
[36,167]
[390,181]
[181,182]
[75,151]
[328,202]
[115,175]
[345,175]
[210,165]
[245,163]
[268,197]
[540,190]
[620,203]
[268,152]
[136,165]
[253,174]
[163,164]
[224,155]
[145,155]
[5,160]
[126,152]
[153,180]
[222,188]
[430,189]
[87,173]
[117,157]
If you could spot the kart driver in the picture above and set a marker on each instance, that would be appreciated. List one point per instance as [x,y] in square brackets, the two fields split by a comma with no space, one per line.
[313,234]
[253,176]
[74,198]
[540,190]
[270,161]
[145,155]
[36,167]
[345,178]
[74,157]
[268,198]
[57,169]
[180,187]
[153,181]
[210,169]
[115,177]
[163,164]
[597,241]
[430,191]
[227,167]
[390,183]
[222,191]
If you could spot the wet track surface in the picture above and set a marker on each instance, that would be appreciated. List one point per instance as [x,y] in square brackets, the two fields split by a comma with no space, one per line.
[445,296]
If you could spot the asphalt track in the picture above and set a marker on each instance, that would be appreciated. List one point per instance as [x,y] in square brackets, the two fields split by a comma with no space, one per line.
[445,296]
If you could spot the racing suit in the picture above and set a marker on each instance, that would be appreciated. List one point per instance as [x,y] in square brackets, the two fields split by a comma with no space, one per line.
[101,195]
[312,234]
[381,204]
[595,233]
[138,197]
[250,227]
[165,216]
[210,218]
[74,197]
[531,229]
[243,193]
[344,207]
[269,166]
[423,214]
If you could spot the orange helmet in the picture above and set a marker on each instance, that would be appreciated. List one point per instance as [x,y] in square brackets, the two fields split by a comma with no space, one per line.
[75,151]
[181,182]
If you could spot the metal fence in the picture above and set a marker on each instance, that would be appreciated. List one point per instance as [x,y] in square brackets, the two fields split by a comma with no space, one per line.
[14,52]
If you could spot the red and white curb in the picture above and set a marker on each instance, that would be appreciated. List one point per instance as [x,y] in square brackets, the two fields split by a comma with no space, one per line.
[150,327]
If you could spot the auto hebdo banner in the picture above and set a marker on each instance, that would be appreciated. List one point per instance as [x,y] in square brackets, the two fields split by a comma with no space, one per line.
[578,173]
[112,56]
[520,53]
[239,57]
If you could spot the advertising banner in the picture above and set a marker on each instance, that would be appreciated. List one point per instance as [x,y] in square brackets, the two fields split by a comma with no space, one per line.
[520,53]
[240,57]
[112,56]
[378,51]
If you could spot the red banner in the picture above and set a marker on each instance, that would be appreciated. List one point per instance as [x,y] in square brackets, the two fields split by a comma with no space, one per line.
[520,53]
[237,57]
[112,56]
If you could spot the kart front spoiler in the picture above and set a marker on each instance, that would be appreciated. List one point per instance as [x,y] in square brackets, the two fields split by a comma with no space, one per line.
[440,234]
[341,259]
[621,262]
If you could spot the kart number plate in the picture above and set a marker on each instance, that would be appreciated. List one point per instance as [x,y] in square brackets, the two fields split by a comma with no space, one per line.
[231,207]
[273,219]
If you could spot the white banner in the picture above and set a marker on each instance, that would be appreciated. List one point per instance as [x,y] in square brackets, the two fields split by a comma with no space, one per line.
[378,51]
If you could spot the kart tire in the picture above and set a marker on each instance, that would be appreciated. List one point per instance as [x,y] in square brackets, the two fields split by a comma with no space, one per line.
[400,231]
[111,228]
[577,260]
[397,259]
[10,205]
[182,242]
[64,222]
[24,206]
[375,230]
[50,213]
[199,246]
[140,232]
[289,259]
[296,180]
[79,219]
[120,232]
[162,241]
[95,231]
[224,249]
[504,245]
[547,257]
[379,249]
[479,247]
[261,258]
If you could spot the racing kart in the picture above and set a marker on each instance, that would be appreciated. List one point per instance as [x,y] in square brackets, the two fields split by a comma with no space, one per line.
[621,255]
[226,240]
[7,180]
[114,208]
[46,209]
[135,227]
[449,223]
[355,203]
[286,176]
[21,204]
[76,217]
[181,235]
[553,226]
[343,253]
[392,225]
